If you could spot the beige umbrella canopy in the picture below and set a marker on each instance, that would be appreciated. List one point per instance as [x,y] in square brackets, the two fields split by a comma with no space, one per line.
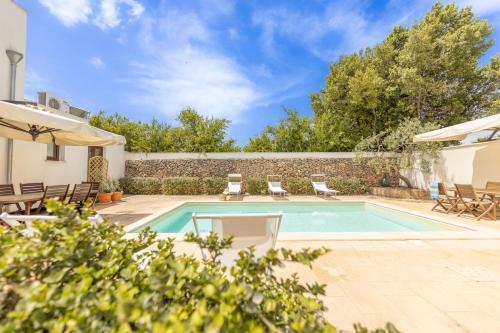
[460,131]
[29,123]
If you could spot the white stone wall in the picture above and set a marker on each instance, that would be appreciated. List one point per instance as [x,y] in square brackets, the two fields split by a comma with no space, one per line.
[234,156]
[466,164]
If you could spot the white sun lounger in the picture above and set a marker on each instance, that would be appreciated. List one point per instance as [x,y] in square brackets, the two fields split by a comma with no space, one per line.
[274,185]
[258,230]
[319,185]
[14,221]
[234,184]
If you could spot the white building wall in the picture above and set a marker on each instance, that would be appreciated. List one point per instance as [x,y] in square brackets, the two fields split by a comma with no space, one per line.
[12,37]
[30,164]
[116,161]
[466,164]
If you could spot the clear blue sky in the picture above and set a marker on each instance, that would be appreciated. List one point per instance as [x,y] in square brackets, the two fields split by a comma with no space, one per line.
[243,60]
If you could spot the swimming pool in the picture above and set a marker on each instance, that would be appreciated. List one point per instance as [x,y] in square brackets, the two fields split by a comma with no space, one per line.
[303,217]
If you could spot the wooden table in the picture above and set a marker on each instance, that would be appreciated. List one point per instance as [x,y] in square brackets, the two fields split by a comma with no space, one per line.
[28,200]
[493,196]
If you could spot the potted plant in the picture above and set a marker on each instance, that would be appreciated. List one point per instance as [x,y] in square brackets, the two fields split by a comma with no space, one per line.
[117,191]
[106,192]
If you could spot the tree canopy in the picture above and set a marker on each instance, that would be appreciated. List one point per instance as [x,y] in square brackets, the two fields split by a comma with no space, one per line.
[430,71]
[195,133]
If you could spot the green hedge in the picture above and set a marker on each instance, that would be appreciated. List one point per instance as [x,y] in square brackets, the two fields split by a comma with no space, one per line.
[299,185]
[141,185]
[182,185]
[351,185]
[256,185]
[214,185]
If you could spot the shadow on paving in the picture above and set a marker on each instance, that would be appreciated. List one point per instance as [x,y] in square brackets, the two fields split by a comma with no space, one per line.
[124,219]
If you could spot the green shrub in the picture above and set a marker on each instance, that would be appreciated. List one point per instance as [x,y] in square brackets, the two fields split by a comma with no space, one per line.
[182,185]
[256,185]
[78,276]
[214,185]
[299,185]
[351,185]
[141,185]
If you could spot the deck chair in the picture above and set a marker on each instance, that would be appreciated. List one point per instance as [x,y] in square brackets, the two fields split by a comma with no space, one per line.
[94,190]
[274,185]
[319,185]
[53,192]
[31,188]
[27,188]
[234,184]
[25,222]
[80,194]
[257,230]
[8,189]
[445,200]
[472,203]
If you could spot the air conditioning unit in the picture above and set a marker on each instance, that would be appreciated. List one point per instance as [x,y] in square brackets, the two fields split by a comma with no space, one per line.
[53,102]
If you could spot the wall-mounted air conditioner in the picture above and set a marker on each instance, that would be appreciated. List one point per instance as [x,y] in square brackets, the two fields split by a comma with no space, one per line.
[53,102]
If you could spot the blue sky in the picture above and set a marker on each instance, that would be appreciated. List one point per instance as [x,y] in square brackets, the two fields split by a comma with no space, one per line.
[242,60]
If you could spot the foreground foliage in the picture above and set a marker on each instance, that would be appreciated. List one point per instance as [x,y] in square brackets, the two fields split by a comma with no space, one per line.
[76,276]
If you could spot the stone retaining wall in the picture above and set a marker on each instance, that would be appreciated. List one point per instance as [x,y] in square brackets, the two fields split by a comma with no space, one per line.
[401,193]
[286,167]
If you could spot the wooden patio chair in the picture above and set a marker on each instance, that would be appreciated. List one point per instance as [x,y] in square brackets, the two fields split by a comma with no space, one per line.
[94,190]
[53,192]
[467,196]
[8,189]
[80,194]
[27,188]
[445,200]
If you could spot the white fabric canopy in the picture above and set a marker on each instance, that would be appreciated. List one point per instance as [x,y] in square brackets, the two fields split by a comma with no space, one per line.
[29,123]
[460,131]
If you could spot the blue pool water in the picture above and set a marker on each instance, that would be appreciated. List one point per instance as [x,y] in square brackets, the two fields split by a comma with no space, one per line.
[304,217]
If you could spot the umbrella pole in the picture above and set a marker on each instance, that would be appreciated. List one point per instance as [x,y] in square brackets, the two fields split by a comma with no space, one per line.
[10,155]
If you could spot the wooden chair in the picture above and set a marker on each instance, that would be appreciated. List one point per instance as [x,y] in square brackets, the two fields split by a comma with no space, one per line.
[27,188]
[80,194]
[94,190]
[53,192]
[446,201]
[467,196]
[8,189]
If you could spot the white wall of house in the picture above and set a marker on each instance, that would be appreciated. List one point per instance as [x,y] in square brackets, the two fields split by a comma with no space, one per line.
[466,164]
[12,37]
[30,162]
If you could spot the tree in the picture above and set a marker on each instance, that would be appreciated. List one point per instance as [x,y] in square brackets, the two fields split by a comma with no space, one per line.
[78,276]
[438,66]
[293,133]
[393,151]
[195,133]
[201,134]
[428,71]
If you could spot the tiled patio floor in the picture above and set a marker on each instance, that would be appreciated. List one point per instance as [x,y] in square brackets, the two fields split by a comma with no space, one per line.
[421,286]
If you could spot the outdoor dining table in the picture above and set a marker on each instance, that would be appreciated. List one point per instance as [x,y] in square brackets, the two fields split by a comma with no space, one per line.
[28,199]
[494,196]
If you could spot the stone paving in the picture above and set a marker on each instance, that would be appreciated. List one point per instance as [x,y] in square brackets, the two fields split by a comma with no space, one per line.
[419,285]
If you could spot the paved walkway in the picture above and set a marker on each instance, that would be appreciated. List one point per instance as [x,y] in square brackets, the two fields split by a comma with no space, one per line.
[421,286]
